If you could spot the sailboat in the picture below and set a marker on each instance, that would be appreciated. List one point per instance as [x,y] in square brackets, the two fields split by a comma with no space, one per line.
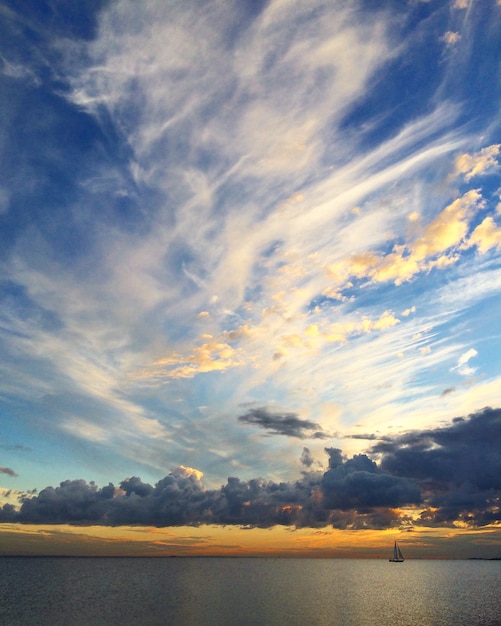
[398,557]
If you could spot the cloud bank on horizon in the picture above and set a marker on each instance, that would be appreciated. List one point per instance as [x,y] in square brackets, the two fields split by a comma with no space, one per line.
[430,478]
[232,232]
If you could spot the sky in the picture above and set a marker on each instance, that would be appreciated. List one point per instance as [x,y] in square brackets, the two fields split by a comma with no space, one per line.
[250,277]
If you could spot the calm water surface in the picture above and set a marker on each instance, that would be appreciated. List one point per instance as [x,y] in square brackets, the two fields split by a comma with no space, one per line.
[241,591]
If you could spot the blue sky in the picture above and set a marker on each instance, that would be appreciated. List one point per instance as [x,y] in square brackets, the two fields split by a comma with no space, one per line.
[235,234]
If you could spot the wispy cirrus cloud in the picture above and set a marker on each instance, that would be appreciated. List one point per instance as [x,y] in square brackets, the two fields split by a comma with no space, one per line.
[266,211]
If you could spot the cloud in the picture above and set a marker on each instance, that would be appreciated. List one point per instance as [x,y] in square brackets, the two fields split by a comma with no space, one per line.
[438,246]
[464,358]
[252,193]
[408,311]
[365,437]
[288,424]
[181,499]
[209,357]
[357,483]
[478,164]
[448,475]
[450,38]
[8,471]
[275,133]
[486,235]
[311,337]
[306,458]
[458,466]
[462,365]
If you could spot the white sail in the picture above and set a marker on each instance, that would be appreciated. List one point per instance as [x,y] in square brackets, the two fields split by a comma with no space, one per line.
[398,557]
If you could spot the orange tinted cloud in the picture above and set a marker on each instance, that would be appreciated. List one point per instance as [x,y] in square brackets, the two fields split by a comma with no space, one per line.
[486,235]
[209,357]
[436,247]
[479,163]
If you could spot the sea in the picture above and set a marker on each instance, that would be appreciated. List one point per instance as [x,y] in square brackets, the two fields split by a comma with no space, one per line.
[237,591]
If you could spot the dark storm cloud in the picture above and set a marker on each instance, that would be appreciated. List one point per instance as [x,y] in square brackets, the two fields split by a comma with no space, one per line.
[288,424]
[8,471]
[358,483]
[181,499]
[458,467]
[468,450]
[452,473]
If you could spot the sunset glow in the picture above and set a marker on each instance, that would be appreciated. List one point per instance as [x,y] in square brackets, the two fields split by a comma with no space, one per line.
[250,277]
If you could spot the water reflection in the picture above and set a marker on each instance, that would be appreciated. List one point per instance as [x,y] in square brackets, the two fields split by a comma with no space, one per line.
[220,591]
